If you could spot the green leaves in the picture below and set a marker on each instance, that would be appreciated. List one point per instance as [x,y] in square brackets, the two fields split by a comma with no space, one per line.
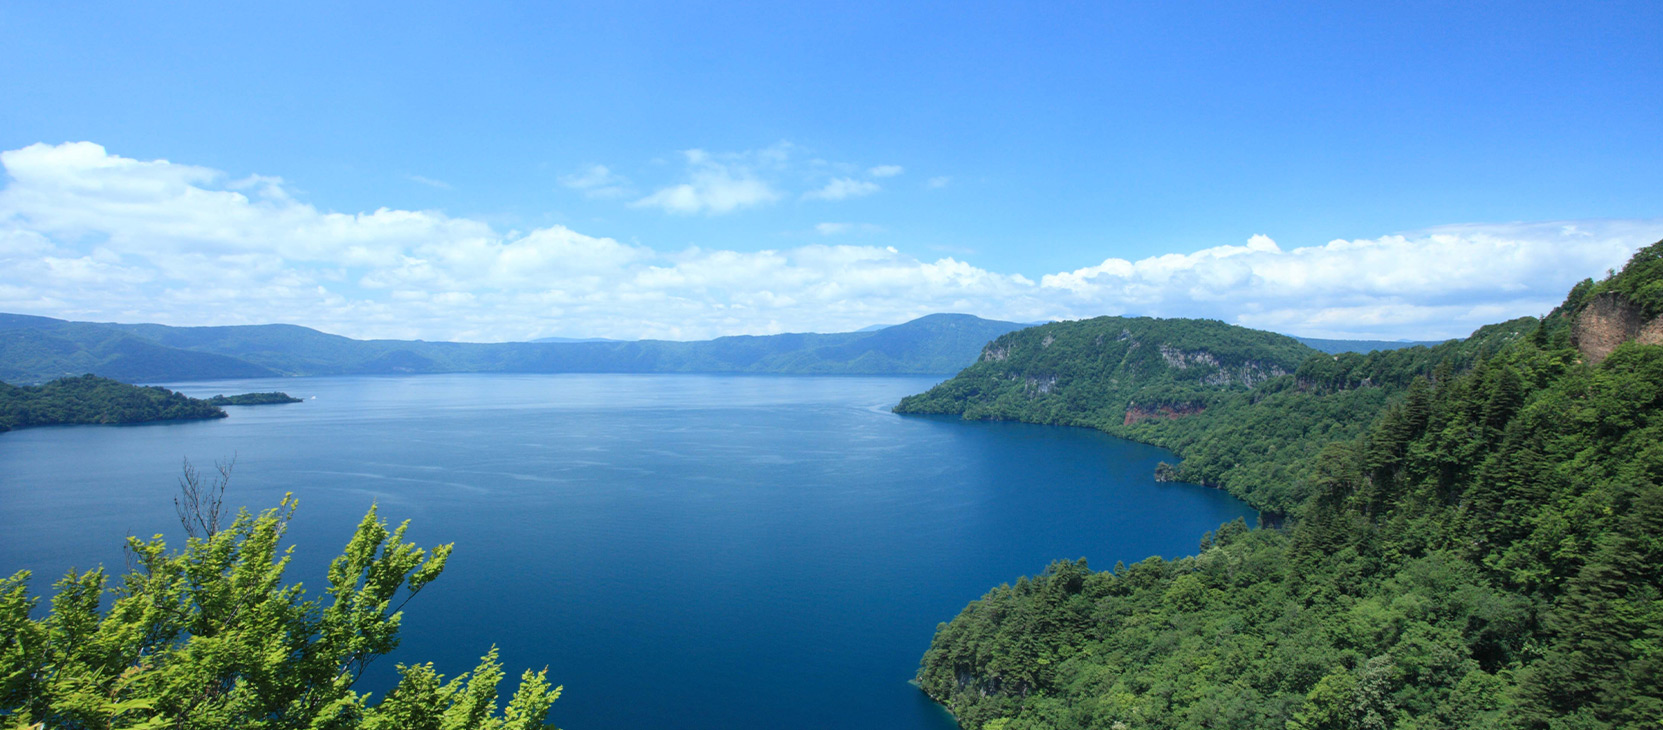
[424,701]
[210,637]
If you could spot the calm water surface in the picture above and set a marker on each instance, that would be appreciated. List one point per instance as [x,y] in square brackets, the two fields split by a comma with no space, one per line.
[682,551]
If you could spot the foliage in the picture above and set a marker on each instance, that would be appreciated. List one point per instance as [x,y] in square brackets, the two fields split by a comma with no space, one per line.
[91,399]
[1484,552]
[210,638]
[252,399]
[1640,282]
[1248,411]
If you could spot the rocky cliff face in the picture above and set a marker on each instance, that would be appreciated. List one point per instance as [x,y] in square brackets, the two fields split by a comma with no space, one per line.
[1610,320]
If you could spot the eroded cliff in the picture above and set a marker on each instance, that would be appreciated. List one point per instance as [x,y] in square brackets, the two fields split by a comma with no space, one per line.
[1609,320]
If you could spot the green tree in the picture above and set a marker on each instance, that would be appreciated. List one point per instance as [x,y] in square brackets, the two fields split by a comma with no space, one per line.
[210,637]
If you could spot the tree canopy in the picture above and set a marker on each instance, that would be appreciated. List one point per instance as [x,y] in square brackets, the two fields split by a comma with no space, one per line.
[210,637]
[1483,551]
[91,399]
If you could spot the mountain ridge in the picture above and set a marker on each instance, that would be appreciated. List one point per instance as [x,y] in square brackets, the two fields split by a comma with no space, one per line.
[37,349]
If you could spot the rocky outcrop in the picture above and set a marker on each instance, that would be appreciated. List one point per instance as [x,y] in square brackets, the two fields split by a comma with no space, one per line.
[1249,373]
[1038,385]
[1185,359]
[1610,320]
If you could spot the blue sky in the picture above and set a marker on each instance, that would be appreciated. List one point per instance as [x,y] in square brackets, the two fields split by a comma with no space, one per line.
[781,152]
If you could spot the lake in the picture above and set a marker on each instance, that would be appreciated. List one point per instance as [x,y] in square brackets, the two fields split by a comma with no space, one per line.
[682,551]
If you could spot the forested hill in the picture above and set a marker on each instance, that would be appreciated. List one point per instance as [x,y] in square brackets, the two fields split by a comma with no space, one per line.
[91,399]
[1486,551]
[37,349]
[1246,410]
[34,349]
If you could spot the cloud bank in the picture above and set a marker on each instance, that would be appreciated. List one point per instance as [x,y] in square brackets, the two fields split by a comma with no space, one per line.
[85,234]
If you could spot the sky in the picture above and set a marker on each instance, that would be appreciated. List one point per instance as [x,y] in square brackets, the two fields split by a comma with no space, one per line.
[493,171]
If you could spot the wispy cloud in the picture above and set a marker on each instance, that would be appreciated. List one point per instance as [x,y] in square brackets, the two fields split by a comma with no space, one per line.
[430,182]
[938,182]
[886,171]
[842,188]
[597,181]
[718,185]
[90,235]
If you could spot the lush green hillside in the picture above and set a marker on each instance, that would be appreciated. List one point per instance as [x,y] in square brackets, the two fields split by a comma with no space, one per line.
[91,399]
[37,349]
[34,349]
[1485,552]
[1246,410]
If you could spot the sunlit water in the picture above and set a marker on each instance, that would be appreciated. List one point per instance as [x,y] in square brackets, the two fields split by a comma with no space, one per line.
[682,551]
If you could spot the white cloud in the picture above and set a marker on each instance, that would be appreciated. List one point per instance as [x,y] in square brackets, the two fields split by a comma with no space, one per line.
[718,184]
[938,182]
[597,181]
[85,234]
[842,188]
[1441,282]
[886,171]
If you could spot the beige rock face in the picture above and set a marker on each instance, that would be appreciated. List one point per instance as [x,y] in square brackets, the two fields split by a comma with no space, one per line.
[1609,321]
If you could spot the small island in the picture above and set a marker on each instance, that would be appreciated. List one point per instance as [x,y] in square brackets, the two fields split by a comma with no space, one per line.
[252,399]
[89,399]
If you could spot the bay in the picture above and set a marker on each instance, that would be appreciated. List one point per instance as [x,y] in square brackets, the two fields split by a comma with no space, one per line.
[681,551]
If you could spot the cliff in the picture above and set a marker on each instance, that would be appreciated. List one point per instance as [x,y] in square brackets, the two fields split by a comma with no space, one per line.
[1609,320]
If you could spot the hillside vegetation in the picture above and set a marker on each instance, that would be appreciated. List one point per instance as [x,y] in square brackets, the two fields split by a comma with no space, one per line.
[1484,550]
[91,399]
[1247,410]
[37,349]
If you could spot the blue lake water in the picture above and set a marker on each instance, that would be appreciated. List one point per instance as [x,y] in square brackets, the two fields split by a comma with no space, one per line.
[682,551]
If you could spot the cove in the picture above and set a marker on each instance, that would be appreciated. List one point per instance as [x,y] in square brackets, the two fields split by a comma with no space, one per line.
[682,551]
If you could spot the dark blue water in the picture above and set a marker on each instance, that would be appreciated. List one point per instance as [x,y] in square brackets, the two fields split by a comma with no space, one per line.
[681,551]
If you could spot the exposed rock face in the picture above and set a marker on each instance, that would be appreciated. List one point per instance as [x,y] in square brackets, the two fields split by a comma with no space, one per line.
[1249,373]
[1610,320]
[1037,385]
[1183,359]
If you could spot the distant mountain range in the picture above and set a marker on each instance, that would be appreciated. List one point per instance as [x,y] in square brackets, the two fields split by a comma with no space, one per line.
[1364,347]
[37,349]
